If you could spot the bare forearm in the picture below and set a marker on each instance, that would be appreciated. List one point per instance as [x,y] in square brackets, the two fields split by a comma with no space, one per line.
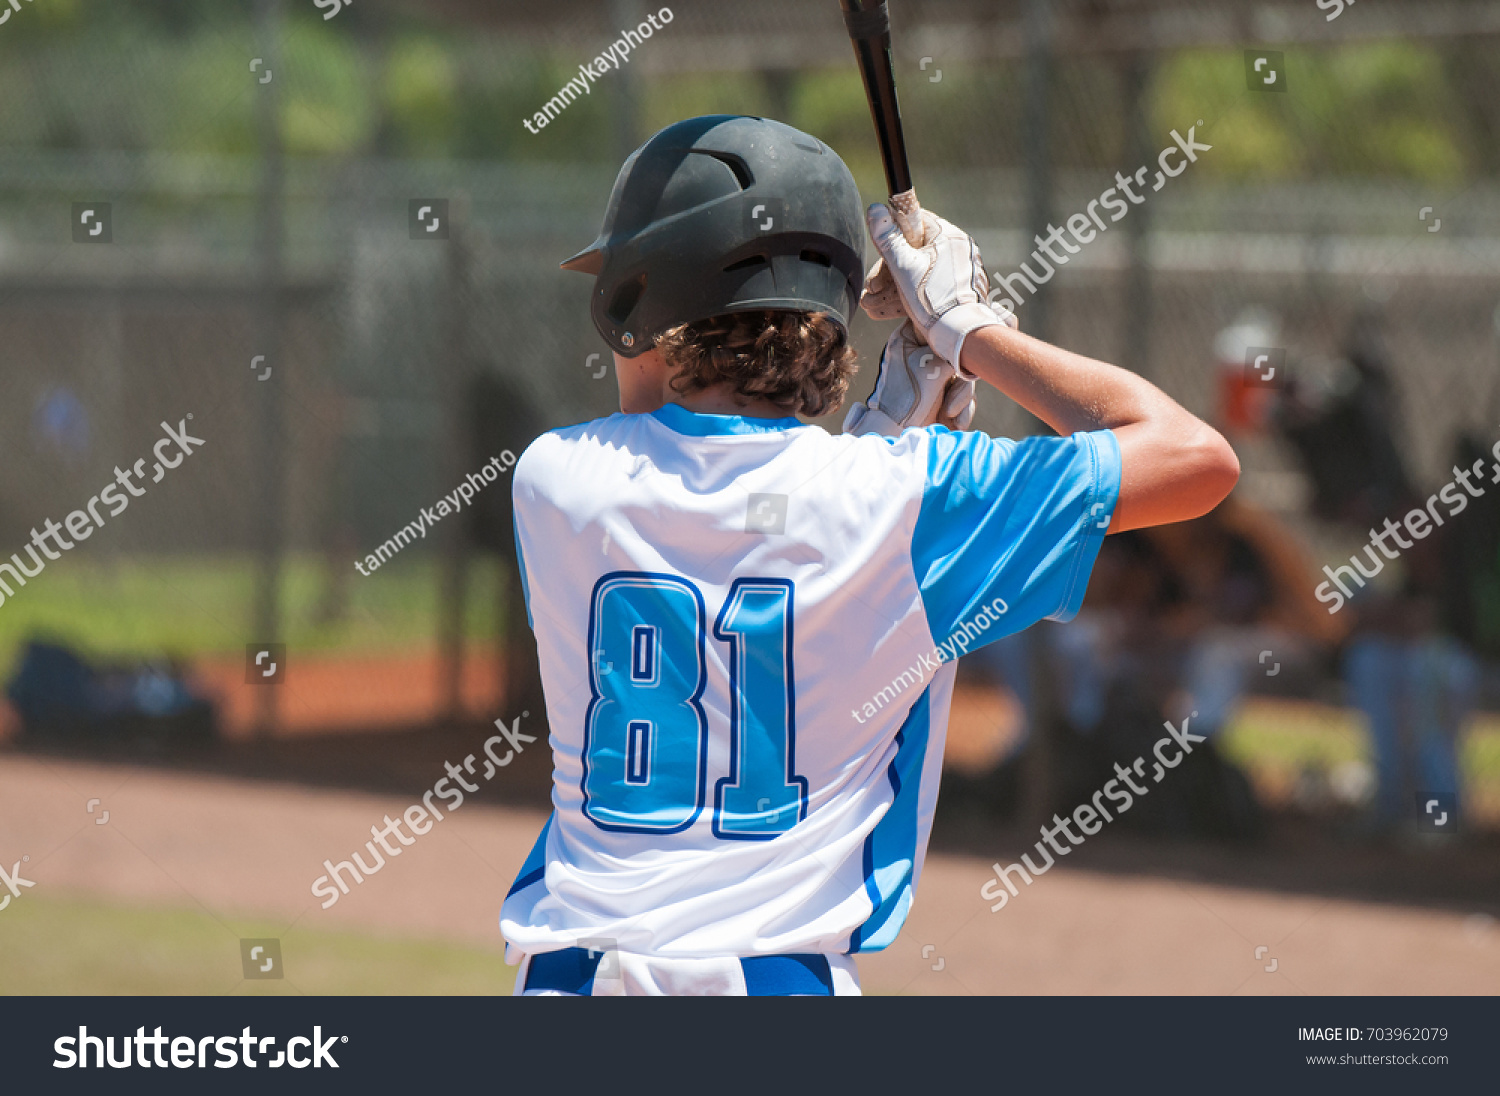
[1175,466]
[1067,391]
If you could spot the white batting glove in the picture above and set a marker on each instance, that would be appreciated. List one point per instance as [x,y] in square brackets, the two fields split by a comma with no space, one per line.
[941,284]
[915,388]
[880,299]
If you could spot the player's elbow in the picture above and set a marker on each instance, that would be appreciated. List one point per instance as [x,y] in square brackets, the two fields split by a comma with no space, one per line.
[1175,468]
[1209,465]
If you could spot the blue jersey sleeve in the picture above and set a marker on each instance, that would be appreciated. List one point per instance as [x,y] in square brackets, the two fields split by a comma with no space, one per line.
[1008,531]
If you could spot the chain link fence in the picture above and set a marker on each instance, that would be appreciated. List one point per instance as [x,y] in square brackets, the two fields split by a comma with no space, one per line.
[392,336]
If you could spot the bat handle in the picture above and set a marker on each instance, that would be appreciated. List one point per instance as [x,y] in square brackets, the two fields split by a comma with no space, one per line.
[908,217]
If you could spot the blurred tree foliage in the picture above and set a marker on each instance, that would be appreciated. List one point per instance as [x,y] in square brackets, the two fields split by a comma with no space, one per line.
[1389,109]
[173,75]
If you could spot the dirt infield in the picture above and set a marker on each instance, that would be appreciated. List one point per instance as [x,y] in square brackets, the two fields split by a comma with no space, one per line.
[331,694]
[242,847]
[243,829]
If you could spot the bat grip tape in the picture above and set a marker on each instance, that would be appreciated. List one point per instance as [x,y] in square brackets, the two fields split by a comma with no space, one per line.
[870,23]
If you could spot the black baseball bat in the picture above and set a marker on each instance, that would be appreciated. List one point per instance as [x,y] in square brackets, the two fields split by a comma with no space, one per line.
[869,27]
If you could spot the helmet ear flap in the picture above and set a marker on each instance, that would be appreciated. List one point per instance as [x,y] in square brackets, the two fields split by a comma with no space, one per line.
[626,296]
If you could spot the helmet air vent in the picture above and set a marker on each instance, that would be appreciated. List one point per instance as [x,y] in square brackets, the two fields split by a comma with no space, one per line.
[747,264]
[736,164]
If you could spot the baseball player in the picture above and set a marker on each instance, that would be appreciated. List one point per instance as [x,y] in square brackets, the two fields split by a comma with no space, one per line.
[747,626]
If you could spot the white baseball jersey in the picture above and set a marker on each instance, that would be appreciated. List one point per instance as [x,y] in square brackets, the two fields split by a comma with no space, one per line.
[746,630]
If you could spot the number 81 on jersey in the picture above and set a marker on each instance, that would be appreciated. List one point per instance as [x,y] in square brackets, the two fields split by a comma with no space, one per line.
[645,755]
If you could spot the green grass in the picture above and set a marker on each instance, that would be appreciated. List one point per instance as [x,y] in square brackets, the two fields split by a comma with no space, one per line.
[83,946]
[197,605]
[1293,736]
[1285,738]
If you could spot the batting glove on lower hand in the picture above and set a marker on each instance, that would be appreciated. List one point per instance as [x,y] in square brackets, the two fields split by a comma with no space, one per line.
[915,387]
[941,285]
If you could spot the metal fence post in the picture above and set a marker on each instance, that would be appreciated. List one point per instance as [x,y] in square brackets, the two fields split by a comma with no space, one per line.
[270,437]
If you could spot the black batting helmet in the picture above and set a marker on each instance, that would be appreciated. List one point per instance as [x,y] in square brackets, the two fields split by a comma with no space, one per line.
[720,214]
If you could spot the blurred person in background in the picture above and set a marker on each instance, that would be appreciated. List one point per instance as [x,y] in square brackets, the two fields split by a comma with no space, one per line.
[1182,621]
[60,426]
[505,417]
[1407,666]
[1247,575]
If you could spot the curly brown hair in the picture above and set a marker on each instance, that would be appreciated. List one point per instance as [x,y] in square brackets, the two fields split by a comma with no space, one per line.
[800,361]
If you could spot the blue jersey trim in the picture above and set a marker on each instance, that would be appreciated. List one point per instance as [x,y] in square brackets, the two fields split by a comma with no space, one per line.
[676,417]
[890,854]
[535,867]
[525,583]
